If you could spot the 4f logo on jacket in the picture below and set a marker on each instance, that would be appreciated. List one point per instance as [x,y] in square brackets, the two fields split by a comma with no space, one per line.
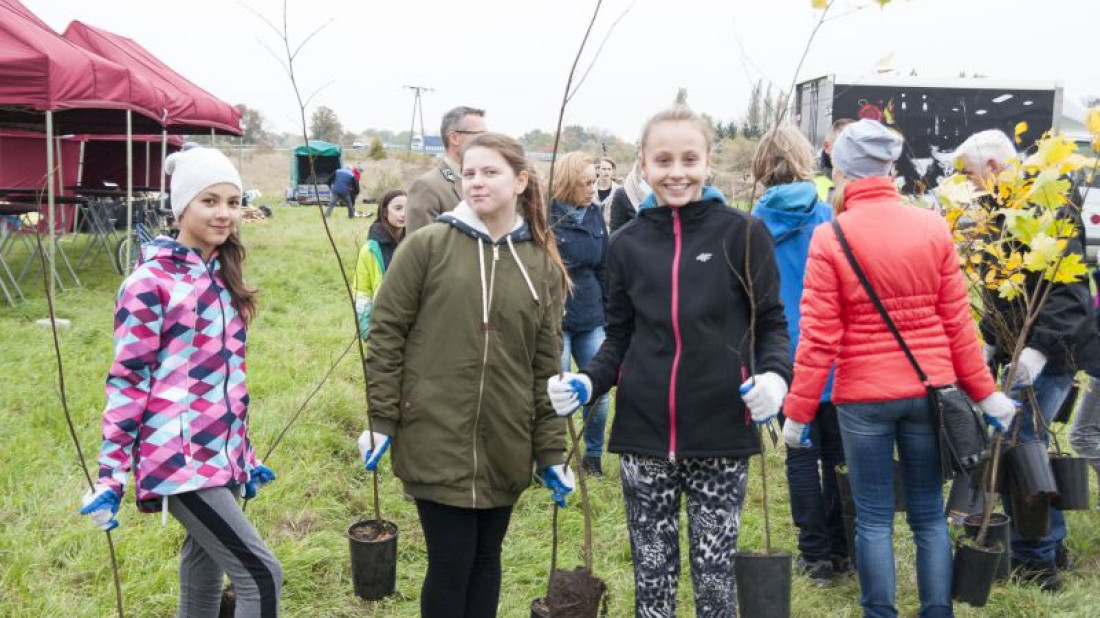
[704,257]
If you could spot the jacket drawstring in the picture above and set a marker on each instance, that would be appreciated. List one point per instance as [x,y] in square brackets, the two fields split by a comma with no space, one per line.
[526,277]
[484,290]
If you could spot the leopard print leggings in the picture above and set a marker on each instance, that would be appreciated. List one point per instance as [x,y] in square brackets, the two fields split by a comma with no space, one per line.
[715,489]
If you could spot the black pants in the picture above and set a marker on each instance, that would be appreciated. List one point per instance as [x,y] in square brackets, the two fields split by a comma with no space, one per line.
[463,579]
[815,499]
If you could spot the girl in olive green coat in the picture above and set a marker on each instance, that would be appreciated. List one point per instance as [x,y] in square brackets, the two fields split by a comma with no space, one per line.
[464,334]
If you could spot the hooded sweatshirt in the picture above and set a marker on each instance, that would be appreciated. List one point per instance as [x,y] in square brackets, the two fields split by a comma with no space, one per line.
[792,212]
[465,332]
[177,405]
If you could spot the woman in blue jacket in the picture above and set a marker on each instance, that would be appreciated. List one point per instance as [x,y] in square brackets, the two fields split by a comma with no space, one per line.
[791,209]
[582,239]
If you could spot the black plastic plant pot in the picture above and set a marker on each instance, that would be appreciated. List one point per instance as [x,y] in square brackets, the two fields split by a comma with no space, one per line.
[850,536]
[999,532]
[979,475]
[975,570]
[539,608]
[844,488]
[763,584]
[373,558]
[966,498]
[1030,464]
[1072,476]
[1030,515]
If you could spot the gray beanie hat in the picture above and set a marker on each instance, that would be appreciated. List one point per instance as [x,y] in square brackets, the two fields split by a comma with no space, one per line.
[866,148]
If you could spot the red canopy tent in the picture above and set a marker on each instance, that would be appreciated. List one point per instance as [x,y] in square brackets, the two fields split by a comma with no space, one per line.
[47,82]
[42,72]
[104,159]
[190,109]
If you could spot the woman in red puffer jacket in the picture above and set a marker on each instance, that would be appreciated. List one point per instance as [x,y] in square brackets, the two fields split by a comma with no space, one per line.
[908,255]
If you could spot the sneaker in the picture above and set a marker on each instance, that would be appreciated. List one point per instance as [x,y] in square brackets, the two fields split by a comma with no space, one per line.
[820,572]
[1044,574]
[592,467]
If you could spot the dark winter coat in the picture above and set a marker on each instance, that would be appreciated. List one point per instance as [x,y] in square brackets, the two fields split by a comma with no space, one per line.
[583,248]
[1065,330]
[464,335]
[622,211]
[678,323]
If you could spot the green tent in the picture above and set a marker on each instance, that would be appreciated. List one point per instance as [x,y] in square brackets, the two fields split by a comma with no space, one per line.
[327,158]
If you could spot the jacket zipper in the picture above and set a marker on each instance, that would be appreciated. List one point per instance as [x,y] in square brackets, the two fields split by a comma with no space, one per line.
[677,233]
[484,365]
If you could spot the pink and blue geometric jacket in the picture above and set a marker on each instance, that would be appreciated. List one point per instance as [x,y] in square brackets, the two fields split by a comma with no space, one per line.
[177,405]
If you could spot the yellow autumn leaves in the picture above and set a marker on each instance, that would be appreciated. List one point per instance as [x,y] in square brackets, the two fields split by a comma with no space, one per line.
[1017,232]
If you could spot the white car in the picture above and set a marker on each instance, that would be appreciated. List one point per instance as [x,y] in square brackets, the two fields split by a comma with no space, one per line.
[1089,189]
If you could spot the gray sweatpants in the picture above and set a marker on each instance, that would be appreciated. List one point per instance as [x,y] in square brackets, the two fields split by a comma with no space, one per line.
[1084,434]
[220,541]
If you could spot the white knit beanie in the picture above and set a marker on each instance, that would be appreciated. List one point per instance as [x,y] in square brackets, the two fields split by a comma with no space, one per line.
[196,169]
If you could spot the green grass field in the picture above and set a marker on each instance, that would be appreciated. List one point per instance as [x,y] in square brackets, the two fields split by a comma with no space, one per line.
[53,563]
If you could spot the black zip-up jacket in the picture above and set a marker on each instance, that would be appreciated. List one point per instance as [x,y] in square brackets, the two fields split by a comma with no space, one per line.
[678,322]
[1065,330]
[622,211]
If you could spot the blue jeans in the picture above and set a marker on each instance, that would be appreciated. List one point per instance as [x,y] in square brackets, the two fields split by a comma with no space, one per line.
[815,500]
[582,346]
[1050,392]
[341,198]
[870,431]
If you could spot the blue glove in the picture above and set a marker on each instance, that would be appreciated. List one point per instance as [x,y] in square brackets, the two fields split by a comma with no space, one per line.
[102,504]
[796,435]
[259,476]
[370,456]
[559,480]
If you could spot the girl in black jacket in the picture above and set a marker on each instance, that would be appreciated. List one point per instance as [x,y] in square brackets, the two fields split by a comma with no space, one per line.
[692,289]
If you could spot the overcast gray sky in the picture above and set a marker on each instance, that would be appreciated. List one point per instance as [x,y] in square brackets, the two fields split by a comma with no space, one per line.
[512,56]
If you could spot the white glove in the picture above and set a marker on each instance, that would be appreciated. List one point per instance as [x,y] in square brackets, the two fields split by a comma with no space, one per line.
[1028,367]
[999,410]
[763,394]
[370,457]
[568,391]
[796,434]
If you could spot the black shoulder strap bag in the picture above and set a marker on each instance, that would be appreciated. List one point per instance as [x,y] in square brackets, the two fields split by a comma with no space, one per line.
[959,428]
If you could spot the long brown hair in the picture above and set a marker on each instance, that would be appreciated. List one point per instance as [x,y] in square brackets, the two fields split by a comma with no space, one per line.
[530,203]
[783,156]
[231,256]
[398,234]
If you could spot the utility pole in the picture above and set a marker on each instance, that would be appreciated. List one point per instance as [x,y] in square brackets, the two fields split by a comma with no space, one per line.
[418,105]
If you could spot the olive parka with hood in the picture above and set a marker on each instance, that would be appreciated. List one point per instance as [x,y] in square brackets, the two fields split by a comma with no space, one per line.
[464,335]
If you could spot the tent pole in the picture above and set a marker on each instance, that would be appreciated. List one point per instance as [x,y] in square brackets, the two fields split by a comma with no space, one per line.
[163,156]
[50,212]
[61,175]
[213,144]
[80,165]
[130,190]
[147,147]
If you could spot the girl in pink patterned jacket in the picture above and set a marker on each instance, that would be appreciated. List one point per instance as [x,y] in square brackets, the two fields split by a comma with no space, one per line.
[177,405]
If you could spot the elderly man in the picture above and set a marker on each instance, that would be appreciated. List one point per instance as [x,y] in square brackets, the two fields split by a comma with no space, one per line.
[439,189]
[1062,340]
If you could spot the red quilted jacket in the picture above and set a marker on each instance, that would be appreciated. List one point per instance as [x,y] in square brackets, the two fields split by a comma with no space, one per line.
[908,255]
